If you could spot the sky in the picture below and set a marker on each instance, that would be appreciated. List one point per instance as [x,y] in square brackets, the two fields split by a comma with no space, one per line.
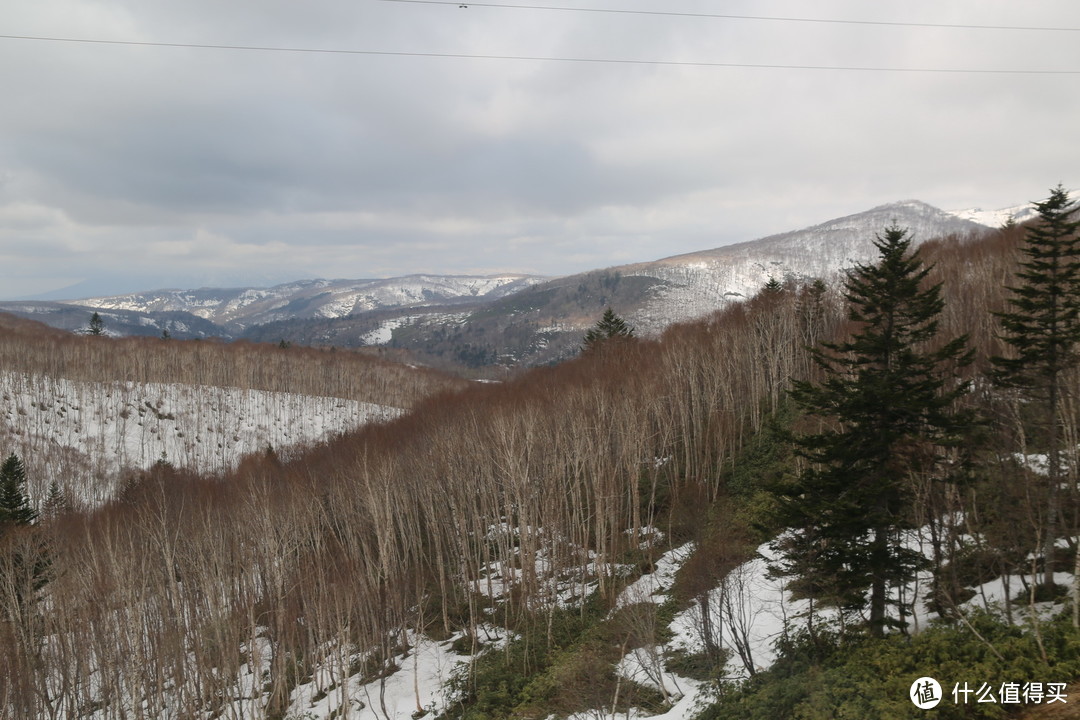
[518,136]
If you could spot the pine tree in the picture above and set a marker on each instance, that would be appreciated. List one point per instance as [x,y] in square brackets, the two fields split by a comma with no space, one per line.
[15,508]
[888,402]
[772,286]
[607,327]
[24,559]
[56,502]
[97,325]
[1042,328]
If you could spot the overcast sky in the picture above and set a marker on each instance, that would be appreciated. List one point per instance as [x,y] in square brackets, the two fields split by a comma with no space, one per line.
[127,167]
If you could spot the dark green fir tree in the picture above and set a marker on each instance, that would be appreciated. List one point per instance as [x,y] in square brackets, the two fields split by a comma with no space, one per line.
[1042,330]
[24,559]
[97,325]
[15,508]
[772,286]
[886,413]
[57,503]
[607,327]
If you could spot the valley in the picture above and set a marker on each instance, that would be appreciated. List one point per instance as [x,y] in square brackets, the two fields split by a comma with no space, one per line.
[270,530]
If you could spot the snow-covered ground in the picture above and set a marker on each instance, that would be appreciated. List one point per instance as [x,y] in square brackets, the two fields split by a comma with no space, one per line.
[654,587]
[82,434]
[762,608]
[418,687]
[760,611]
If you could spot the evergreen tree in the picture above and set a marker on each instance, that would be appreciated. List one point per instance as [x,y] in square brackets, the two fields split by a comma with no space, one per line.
[607,327]
[56,502]
[1042,328]
[15,508]
[887,400]
[24,560]
[97,325]
[773,286]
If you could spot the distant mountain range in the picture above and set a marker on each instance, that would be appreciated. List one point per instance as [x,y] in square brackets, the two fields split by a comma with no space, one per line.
[237,309]
[507,319]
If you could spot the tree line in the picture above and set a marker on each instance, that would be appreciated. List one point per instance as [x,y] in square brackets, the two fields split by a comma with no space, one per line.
[30,347]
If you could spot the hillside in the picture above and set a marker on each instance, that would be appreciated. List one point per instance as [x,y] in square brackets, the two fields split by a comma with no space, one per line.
[118,323]
[240,308]
[88,435]
[582,540]
[372,376]
[87,412]
[271,314]
[698,283]
[545,322]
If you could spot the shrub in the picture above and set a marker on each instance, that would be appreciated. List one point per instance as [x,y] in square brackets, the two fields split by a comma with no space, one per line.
[860,677]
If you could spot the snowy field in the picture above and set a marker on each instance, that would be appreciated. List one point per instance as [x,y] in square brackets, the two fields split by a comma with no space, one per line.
[82,434]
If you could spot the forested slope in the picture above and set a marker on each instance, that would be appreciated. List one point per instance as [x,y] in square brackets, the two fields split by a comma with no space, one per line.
[518,511]
[84,412]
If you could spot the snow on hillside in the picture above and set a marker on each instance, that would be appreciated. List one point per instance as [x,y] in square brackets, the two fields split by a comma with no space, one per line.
[750,611]
[82,434]
[314,298]
[419,686]
[997,218]
[698,283]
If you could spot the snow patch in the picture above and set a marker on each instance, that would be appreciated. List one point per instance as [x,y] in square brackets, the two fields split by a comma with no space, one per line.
[82,434]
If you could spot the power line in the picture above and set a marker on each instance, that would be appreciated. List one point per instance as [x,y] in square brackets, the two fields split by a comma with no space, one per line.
[725,16]
[539,58]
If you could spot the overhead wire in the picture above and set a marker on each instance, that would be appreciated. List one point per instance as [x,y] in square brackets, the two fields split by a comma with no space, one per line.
[730,16]
[600,60]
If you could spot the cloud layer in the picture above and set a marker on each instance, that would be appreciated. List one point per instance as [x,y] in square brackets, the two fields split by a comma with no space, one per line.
[127,167]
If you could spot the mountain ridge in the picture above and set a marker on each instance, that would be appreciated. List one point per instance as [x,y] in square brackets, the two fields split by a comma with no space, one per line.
[238,308]
[511,318]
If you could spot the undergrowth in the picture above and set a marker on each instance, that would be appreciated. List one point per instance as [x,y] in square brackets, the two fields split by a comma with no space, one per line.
[856,677]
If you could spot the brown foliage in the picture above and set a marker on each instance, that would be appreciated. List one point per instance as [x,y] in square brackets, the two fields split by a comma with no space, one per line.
[31,347]
[546,479]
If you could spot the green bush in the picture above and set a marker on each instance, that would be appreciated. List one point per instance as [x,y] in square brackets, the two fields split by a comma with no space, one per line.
[513,681]
[859,678]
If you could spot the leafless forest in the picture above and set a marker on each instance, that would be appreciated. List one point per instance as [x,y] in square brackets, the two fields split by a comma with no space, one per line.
[152,604]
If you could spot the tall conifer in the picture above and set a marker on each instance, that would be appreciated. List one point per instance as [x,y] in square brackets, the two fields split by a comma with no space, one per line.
[15,508]
[97,325]
[887,402]
[1042,330]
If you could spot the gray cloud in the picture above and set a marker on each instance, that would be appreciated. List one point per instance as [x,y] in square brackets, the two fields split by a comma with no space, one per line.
[125,161]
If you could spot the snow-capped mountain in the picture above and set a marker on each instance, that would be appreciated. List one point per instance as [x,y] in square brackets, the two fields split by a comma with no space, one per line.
[694,284]
[484,320]
[239,308]
[75,318]
[998,218]
[545,322]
